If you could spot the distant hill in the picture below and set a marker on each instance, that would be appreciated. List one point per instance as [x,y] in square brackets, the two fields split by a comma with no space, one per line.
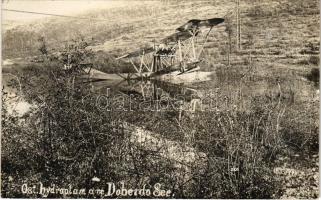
[269,28]
[127,26]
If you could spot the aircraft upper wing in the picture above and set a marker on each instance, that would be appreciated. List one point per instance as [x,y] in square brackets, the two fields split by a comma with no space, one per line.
[184,32]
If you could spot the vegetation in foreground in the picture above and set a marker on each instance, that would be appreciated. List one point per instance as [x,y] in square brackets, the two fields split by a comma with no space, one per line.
[261,144]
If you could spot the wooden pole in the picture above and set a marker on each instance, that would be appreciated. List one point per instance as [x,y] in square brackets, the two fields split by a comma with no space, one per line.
[238,25]
[229,49]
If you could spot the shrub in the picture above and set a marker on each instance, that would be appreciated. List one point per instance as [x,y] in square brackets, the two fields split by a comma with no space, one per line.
[314,75]
[314,60]
[239,147]
[63,138]
[259,11]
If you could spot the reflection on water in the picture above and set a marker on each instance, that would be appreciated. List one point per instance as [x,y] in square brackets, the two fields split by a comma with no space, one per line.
[148,95]
[224,95]
[215,94]
[150,89]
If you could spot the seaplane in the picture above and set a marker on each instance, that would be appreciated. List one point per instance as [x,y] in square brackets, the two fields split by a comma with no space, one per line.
[175,59]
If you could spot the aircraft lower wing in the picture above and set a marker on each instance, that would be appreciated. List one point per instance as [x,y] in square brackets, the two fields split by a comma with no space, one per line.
[137,53]
[177,36]
[195,24]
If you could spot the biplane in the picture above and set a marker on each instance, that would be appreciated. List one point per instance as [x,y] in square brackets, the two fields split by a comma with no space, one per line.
[175,55]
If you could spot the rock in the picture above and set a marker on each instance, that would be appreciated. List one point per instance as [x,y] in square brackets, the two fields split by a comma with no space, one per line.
[95,179]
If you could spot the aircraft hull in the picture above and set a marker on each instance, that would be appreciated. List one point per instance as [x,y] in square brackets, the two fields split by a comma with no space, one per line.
[176,77]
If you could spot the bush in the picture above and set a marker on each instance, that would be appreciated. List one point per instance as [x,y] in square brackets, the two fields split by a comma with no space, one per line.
[108,63]
[64,138]
[311,60]
[259,11]
[314,76]
[314,60]
[240,147]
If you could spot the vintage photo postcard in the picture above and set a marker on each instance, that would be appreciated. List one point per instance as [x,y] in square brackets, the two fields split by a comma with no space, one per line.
[208,99]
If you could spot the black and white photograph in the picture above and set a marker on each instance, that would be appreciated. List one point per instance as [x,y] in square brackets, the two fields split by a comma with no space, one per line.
[160,99]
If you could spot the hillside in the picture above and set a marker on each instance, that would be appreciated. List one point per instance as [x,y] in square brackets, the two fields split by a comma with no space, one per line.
[283,31]
[134,26]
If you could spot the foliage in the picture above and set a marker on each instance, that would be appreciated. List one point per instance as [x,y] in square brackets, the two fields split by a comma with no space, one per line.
[66,138]
[314,76]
